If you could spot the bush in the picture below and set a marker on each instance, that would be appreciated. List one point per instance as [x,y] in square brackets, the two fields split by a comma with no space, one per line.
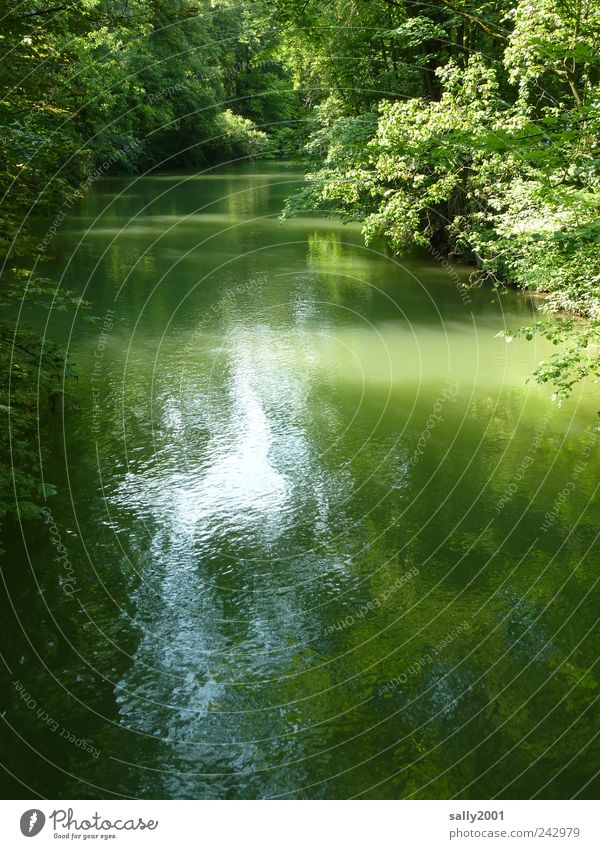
[237,137]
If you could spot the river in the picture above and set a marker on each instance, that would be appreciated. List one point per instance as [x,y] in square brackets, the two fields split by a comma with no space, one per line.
[314,536]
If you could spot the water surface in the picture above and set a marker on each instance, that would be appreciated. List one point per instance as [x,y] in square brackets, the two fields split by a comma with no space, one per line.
[314,544]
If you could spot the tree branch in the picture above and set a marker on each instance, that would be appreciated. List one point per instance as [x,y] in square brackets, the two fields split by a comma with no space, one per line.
[44,11]
[475,20]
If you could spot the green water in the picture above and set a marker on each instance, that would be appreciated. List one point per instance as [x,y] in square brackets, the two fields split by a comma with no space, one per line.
[302,494]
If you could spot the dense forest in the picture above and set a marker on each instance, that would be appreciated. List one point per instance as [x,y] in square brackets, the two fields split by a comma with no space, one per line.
[466,128]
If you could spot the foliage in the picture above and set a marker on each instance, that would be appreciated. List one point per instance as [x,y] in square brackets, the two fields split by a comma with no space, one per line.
[491,156]
[89,87]
[33,372]
[468,126]
[238,137]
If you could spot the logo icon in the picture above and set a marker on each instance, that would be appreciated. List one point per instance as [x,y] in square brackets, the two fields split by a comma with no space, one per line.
[32,822]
